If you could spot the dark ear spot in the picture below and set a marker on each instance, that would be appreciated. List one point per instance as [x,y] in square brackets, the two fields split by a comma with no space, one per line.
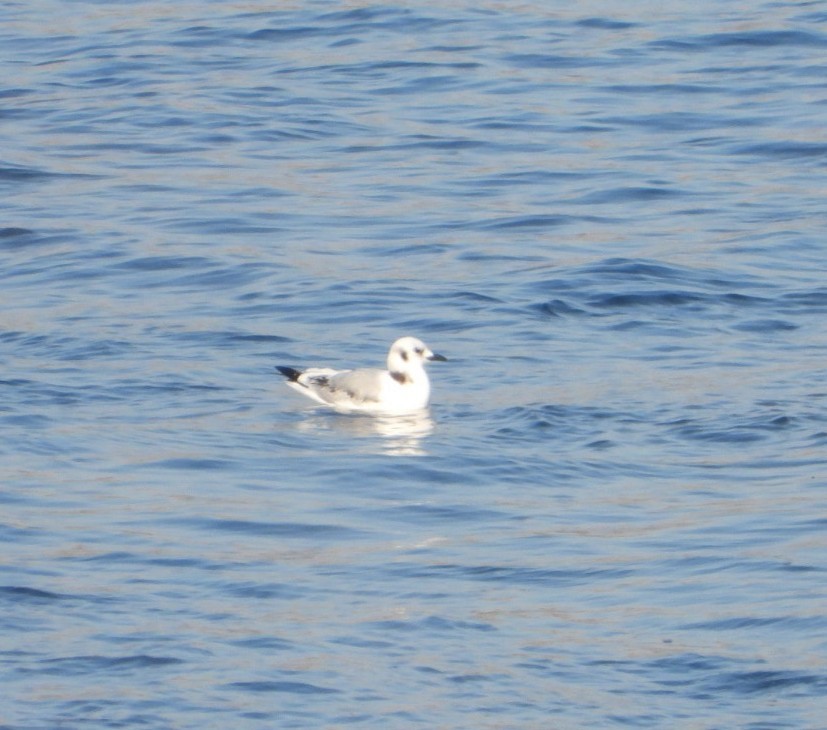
[404,355]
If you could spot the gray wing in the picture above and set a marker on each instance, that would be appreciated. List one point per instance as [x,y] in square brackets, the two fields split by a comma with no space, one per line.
[356,386]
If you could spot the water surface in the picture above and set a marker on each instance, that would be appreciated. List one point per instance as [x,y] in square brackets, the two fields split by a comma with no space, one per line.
[610,217]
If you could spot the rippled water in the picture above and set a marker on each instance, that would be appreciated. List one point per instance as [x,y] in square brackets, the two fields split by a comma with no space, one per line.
[610,217]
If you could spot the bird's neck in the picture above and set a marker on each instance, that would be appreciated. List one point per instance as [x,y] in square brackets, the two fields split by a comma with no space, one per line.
[409,376]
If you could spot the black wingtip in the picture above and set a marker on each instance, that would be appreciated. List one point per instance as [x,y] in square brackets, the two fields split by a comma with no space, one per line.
[290,373]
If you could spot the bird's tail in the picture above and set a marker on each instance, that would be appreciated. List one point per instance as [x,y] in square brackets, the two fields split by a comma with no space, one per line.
[290,373]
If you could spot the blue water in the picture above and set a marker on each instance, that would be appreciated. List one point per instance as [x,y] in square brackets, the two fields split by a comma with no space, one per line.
[610,217]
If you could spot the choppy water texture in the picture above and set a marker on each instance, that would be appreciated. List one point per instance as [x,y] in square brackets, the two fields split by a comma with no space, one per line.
[609,216]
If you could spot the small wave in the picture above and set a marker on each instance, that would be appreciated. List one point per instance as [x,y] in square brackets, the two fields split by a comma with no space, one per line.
[250,589]
[29,595]
[765,39]
[736,430]
[93,664]
[744,39]
[627,195]
[814,301]
[551,61]
[430,514]
[605,24]
[23,174]
[769,682]
[525,222]
[272,529]
[765,325]
[748,622]
[784,150]
[15,232]
[193,464]
[557,308]
[15,238]
[674,298]
[515,575]
[433,623]
[296,688]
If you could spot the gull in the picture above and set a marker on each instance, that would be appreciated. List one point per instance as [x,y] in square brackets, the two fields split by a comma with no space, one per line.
[402,388]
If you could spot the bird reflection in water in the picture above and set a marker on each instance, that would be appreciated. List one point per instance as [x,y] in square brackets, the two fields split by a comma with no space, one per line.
[400,435]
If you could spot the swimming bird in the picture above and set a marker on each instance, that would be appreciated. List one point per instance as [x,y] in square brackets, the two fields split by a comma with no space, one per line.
[402,388]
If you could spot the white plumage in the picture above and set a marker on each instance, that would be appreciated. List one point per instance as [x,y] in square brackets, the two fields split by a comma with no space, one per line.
[402,388]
